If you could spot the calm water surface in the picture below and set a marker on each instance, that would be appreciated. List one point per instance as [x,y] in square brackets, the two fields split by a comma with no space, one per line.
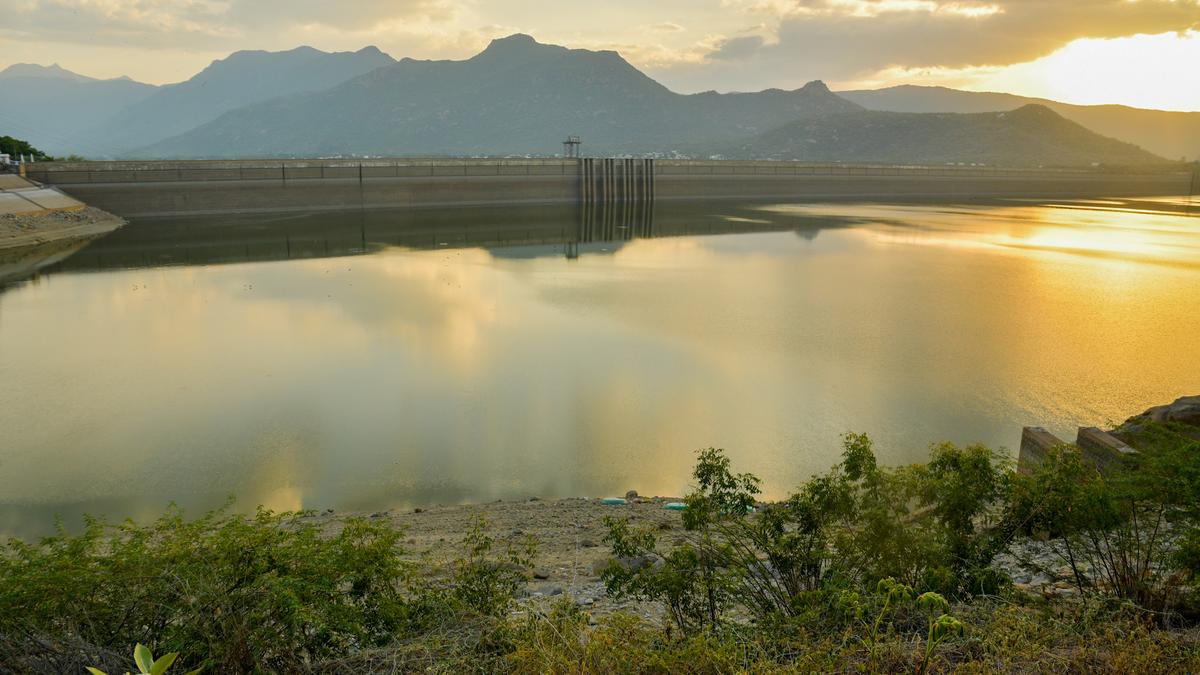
[369,361]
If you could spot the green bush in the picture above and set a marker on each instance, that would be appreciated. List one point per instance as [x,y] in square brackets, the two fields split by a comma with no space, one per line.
[482,584]
[935,526]
[233,593]
[698,579]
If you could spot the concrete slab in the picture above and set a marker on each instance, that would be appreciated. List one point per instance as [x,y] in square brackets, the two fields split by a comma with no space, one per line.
[12,203]
[1101,448]
[10,181]
[1036,444]
[51,199]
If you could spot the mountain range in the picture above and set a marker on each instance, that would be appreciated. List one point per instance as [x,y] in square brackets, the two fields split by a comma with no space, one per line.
[244,78]
[1030,135]
[1166,133]
[49,104]
[521,97]
[517,96]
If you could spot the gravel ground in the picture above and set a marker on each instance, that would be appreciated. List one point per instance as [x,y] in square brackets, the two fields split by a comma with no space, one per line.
[570,541]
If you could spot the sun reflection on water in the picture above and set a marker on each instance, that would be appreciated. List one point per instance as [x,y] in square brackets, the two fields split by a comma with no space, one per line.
[416,376]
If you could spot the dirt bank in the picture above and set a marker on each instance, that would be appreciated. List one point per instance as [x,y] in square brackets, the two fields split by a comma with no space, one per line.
[20,231]
[569,534]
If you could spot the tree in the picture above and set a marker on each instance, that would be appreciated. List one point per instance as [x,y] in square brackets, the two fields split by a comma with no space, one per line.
[16,147]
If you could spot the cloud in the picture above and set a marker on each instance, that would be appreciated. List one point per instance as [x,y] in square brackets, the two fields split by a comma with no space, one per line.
[735,49]
[689,45]
[205,24]
[358,15]
[857,36]
[148,22]
[666,27]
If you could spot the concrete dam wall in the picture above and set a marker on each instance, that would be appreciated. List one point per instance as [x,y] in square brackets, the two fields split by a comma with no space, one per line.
[181,188]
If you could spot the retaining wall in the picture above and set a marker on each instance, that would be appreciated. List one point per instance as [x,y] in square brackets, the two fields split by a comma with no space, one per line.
[137,189]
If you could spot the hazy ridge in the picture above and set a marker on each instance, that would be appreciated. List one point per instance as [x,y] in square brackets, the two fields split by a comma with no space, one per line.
[51,104]
[1032,135]
[1167,133]
[240,79]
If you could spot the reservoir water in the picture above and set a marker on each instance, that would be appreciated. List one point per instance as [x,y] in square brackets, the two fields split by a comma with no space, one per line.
[375,360]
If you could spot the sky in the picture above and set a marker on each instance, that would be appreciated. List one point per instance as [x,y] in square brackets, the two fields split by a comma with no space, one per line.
[1144,53]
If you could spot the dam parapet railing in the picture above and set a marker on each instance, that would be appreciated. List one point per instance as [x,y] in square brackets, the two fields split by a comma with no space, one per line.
[132,171]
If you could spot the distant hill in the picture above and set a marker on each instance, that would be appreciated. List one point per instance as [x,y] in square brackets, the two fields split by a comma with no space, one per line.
[1032,135]
[52,72]
[241,79]
[47,104]
[1170,134]
[517,96]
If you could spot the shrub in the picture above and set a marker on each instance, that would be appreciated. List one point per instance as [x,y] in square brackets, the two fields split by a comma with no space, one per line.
[482,584]
[238,594]
[930,526]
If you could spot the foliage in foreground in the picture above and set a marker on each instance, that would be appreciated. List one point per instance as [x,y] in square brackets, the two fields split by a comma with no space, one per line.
[147,664]
[268,593]
[1129,531]
[998,637]
[862,569]
[929,527]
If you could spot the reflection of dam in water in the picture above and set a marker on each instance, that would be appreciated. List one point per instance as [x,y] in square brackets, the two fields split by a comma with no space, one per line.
[565,230]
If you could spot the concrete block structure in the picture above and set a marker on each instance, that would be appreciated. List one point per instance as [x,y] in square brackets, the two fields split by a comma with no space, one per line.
[1036,444]
[1102,448]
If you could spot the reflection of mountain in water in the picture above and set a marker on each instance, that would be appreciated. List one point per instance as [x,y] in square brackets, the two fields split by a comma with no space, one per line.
[509,232]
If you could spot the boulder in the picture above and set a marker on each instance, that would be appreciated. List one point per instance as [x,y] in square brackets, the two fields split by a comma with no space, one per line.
[1185,410]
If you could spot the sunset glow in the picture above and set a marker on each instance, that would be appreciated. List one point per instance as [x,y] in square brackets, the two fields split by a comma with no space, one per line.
[1145,71]
[1140,53]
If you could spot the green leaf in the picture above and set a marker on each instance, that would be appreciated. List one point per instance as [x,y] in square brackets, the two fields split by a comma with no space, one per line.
[945,626]
[160,666]
[194,672]
[95,671]
[932,602]
[143,658]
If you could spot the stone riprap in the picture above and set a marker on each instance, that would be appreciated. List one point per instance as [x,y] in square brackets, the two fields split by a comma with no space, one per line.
[32,215]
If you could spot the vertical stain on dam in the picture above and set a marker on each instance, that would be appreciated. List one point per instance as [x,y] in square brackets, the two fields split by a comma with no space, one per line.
[616,198]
